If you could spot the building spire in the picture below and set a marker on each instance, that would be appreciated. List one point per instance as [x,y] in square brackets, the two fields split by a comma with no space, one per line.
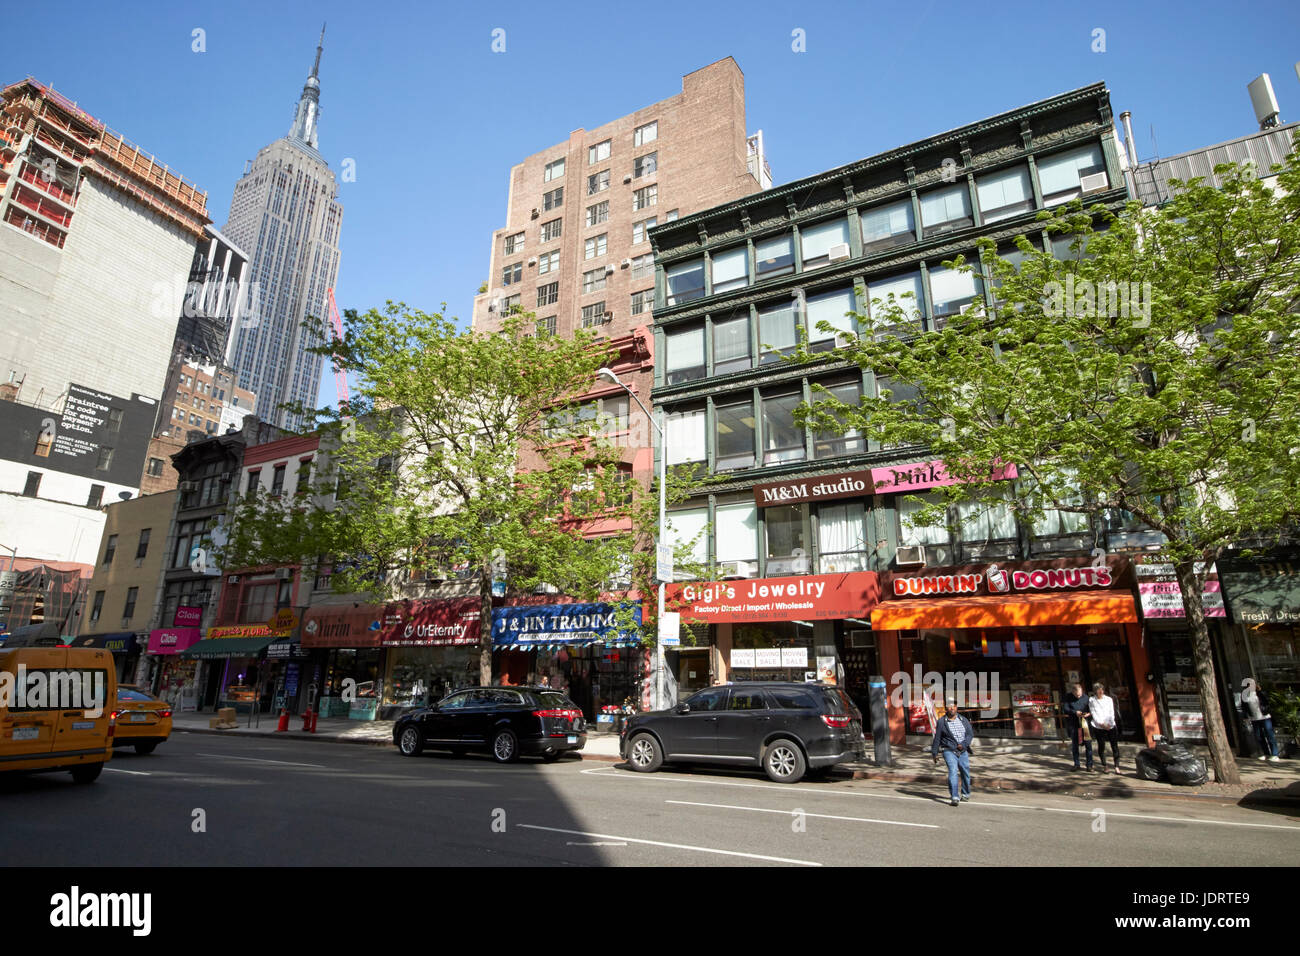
[307,114]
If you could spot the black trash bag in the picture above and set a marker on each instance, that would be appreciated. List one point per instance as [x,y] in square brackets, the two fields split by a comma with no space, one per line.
[1171,762]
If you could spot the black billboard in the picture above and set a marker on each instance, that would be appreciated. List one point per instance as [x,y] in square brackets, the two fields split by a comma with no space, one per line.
[98,436]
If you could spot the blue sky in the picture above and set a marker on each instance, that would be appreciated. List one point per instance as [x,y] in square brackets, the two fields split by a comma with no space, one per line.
[434,119]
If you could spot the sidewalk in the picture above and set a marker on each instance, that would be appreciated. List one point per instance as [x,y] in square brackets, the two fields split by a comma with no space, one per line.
[1043,768]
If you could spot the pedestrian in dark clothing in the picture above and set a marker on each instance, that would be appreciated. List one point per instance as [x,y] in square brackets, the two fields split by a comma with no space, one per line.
[1254,702]
[1073,708]
[1104,719]
[953,738]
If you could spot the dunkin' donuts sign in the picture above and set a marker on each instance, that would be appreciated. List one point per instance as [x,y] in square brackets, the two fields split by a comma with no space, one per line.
[994,579]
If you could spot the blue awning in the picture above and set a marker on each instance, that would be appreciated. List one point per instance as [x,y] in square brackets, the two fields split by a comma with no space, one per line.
[123,643]
[540,624]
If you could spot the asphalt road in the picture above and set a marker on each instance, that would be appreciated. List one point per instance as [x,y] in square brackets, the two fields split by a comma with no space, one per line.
[271,802]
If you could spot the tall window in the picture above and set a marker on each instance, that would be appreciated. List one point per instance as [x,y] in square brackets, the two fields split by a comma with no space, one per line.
[643,265]
[645,165]
[546,327]
[1059,175]
[736,532]
[787,539]
[598,182]
[510,303]
[128,610]
[512,274]
[903,291]
[884,227]
[730,269]
[980,522]
[277,480]
[254,482]
[593,314]
[257,603]
[645,134]
[553,199]
[554,170]
[816,242]
[645,197]
[548,294]
[842,537]
[551,230]
[731,349]
[1004,194]
[945,209]
[783,440]
[597,153]
[774,257]
[913,531]
[734,439]
[548,262]
[643,301]
[685,360]
[110,550]
[155,467]
[598,213]
[96,496]
[97,607]
[777,335]
[514,243]
[33,485]
[685,436]
[105,459]
[142,549]
[690,527]
[595,246]
[641,230]
[1052,522]
[833,443]
[951,291]
[685,281]
[832,308]
[594,280]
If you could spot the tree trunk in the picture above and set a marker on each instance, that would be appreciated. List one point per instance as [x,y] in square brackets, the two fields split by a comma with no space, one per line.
[1193,587]
[485,626]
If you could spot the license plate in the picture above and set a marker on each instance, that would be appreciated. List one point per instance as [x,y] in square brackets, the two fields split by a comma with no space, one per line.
[139,718]
[27,733]
[572,738]
[83,725]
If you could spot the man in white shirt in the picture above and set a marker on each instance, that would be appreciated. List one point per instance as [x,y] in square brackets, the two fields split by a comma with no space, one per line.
[1105,724]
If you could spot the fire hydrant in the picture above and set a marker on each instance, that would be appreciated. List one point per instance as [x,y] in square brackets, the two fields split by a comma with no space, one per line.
[307,720]
[284,720]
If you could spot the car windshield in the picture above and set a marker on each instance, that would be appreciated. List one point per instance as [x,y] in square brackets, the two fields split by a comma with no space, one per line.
[557,701]
[124,693]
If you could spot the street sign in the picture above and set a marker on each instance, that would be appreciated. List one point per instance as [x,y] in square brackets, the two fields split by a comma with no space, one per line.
[8,585]
[664,562]
[670,629]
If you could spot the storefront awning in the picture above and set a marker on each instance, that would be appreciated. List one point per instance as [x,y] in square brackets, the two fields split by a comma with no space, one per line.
[219,647]
[1021,610]
[123,643]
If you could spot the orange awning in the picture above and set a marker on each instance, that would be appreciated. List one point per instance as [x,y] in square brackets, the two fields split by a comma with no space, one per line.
[1020,610]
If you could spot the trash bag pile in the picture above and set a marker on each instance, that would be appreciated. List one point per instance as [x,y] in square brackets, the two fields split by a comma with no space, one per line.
[1173,763]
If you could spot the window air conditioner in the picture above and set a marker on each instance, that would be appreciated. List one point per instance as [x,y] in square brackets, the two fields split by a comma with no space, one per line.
[910,557]
[535,214]
[839,251]
[532,261]
[627,179]
[609,316]
[494,305]
[625,263]
[546,589]
[189,486]
[609,269]
[233,579]
[283,574]
[1093,183]
[732,570]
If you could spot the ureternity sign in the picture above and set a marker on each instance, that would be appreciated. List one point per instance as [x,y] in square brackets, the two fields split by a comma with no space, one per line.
[800,597]
[429,623]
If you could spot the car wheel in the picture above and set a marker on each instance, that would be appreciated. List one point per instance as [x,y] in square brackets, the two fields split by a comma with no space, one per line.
[783,761]
[505,746]
[87,773]
[143,749]
[644,754]
[410,743]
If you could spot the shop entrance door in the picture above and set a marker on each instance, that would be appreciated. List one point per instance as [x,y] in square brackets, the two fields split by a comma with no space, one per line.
[1112,668]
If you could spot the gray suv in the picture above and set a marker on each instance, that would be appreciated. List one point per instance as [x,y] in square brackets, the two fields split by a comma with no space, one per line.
[790,730]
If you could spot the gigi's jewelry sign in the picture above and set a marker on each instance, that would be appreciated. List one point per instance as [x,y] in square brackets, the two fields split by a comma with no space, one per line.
[800,597]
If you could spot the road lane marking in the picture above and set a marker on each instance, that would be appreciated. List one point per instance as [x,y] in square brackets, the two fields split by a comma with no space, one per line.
[283,763]
[134,773]
[802,813]
[786,788]
[672,846]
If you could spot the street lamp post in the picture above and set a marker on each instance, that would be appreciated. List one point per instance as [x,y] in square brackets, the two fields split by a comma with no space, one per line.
[657,699]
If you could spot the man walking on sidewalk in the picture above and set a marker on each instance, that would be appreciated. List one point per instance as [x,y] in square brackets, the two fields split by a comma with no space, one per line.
[1074,707]
[953,738]
[1105,724]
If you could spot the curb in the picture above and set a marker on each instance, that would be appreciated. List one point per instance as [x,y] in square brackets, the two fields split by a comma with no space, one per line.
[287,735]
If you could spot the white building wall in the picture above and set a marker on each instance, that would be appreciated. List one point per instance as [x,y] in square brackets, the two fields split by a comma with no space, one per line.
[102,312]
[57,485]
[50,530]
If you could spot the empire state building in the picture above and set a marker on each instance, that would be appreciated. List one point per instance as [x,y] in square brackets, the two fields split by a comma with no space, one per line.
[285,212]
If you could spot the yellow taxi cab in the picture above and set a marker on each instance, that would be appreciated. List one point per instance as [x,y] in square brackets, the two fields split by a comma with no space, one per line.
[56,705]
[143,720]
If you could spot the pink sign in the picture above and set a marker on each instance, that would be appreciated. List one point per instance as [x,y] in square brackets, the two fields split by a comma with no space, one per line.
[172,640]
[923,474]
[187,616]
[1162,597]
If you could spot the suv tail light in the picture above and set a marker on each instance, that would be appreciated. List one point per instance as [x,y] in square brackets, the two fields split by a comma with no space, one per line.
[116,714]
[559,713]
[164,713]
[837,721]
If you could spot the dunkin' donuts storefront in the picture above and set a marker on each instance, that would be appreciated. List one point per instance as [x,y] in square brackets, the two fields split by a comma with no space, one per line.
[798,627]
[1014,635]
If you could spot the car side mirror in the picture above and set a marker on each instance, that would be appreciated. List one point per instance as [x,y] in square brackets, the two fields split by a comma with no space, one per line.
[682,708]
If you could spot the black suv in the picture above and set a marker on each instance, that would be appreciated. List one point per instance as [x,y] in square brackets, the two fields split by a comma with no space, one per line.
[503,721]
[788,729]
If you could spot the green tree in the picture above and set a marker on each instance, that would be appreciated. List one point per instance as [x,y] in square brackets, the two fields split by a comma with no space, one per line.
[1178,403]
[424,470]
